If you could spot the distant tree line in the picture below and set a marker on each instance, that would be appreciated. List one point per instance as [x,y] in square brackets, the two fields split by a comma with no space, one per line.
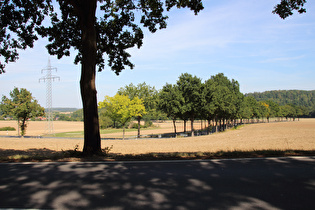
[297,98]
[69,115]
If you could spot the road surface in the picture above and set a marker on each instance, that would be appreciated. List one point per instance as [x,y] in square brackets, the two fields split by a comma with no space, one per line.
[267,183]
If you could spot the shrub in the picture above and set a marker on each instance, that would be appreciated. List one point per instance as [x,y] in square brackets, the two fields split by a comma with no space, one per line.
[148,123]
[134,125]
[105,122]
[7,129]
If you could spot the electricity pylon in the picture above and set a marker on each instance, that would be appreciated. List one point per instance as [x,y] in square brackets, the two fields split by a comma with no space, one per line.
[49,78]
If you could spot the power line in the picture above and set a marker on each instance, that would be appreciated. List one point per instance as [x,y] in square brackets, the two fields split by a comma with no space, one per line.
[49,78]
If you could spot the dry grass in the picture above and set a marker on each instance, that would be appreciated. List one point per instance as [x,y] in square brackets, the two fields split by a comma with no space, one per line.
[294,135]
[298,135]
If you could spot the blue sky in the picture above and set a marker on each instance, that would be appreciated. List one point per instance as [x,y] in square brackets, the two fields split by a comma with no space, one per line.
[239,38]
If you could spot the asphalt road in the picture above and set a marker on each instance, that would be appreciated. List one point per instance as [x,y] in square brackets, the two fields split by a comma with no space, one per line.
[269,183]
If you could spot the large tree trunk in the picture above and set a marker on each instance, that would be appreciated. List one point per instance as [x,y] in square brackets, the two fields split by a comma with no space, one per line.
[92,140]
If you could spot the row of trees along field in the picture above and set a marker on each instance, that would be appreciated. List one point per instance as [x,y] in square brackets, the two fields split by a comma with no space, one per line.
[217,100]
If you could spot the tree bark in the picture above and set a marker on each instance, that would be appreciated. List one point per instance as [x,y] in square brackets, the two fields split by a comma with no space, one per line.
[92,140]
[124,132]
[208,129]
[18,126]
[139,118]
[192,127]
[174,123]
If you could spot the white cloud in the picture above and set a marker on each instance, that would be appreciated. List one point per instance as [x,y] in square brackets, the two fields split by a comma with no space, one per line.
[281,59]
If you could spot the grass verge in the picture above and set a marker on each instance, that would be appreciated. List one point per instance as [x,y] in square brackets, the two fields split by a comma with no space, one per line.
[80,134]
[75,155]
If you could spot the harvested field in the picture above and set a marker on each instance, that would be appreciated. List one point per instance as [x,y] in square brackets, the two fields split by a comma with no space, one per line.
[36,128]
[299,135]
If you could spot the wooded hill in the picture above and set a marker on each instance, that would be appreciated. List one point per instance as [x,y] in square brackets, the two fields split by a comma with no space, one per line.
[61,109]
[282,97]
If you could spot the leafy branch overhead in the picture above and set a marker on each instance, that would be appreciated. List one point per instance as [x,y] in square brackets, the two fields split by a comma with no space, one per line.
[286,7]
[117,28]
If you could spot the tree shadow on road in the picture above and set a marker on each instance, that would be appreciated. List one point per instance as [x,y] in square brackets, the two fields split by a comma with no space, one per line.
[271,183]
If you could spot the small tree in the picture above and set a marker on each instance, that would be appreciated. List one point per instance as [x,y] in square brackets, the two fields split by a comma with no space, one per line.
[274,109]
[288,111]
[225,98]
[171,102]
[190,87]
[254,107]
[144,92]
[21,106]
[120,108]
[264,110]
[246,111]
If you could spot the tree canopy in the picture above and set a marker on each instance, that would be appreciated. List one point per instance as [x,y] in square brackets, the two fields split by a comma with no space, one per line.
[171,102]
[120,108]
[145,92]
[190,87]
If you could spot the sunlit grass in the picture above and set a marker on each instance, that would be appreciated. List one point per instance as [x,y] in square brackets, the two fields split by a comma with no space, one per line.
[80,134]
[73,134]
